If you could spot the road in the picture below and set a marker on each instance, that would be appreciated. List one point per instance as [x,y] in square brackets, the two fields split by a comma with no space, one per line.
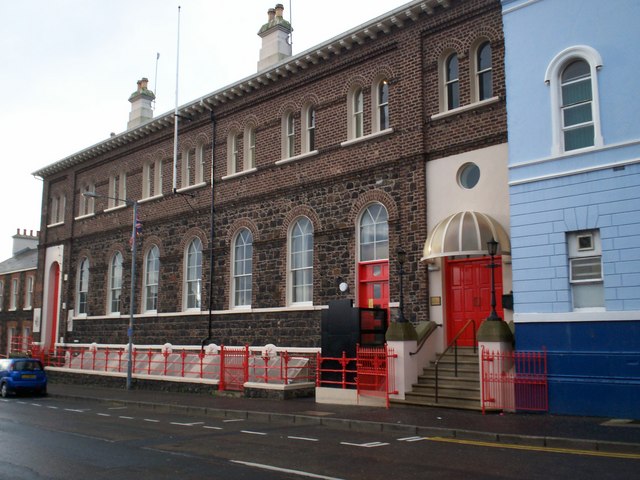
[53,438]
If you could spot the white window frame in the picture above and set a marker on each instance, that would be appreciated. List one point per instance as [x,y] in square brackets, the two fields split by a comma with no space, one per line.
[87,204]
[355,112]
[379,105]
[592,253]
[151,284]
[192,297]
[200,163]
[477,72]
[232,153]
[450,81]
[378,240]
[15,292]
[249,137]
[28,292]
[309,115]
[236,276]
[117,190]
[288,134]
[114,291]
[82,287]
[553,79]
[292,270]
[152,179]
[58,205]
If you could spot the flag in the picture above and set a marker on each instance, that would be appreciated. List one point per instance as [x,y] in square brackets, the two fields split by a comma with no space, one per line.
[138,230]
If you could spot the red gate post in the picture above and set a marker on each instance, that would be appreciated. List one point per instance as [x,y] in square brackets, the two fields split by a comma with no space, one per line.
[221,384]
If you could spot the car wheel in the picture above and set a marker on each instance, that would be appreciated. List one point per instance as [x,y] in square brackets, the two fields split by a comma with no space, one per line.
[4,390]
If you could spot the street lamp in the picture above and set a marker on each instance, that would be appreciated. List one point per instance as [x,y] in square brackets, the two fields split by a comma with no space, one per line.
[134,204]
[492,247]
[402,257]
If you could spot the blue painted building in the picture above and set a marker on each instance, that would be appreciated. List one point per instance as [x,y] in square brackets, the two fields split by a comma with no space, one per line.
[573,109]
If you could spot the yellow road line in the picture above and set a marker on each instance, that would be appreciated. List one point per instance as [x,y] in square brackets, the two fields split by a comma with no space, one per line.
[569,451]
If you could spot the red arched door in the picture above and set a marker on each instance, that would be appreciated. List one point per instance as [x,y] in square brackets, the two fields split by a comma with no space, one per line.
[468,290]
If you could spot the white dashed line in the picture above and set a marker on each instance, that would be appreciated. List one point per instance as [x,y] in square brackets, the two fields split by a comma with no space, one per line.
[306,439]
[36,404]
[212,428]
[411,439]
[75,410]
[252,433]
[284,470]
[103,414]
[365,445]
[151,420]
[233,420]
[125,418]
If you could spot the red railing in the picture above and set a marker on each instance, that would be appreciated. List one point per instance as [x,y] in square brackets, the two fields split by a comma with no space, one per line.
[231,367]
[370,372]
[515,381]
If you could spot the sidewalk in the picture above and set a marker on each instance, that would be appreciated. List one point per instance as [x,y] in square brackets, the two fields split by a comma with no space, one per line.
[540,430]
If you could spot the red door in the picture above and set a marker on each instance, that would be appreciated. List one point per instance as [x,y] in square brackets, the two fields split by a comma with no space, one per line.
[469,295]
[373,279]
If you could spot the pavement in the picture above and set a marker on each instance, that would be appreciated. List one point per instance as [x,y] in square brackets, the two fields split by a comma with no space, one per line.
[591,434]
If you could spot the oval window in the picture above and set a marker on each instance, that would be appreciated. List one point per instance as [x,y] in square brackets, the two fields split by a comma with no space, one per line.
[468,175]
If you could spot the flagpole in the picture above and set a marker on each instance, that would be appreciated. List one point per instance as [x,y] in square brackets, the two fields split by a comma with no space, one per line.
[132,305]
[175,114]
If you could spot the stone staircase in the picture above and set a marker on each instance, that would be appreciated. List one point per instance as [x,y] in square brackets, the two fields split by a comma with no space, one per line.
[462,391]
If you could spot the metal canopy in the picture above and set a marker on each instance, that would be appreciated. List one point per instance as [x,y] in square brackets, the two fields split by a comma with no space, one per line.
[465,233]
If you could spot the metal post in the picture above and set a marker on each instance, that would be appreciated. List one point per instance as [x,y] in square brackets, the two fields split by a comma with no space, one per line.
[133,291]
[493,249]
[402,255]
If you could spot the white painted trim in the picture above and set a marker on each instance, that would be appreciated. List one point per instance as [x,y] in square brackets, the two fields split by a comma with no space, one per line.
[150,199]
[465,108]
[111,209]
[191,187]
[297,157]
[364,138]
[506,11]
[81,217]
[577,171]
[572,317]
[57,224]
[239,174]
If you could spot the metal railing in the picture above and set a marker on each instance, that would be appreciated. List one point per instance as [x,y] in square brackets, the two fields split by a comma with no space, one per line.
[454,343]
[515,381]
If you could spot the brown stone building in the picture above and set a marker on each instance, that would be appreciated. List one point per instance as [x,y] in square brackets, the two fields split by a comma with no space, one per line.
[17,282]
[320,169]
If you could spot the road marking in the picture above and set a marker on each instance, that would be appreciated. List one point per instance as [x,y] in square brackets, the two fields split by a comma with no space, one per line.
[151,420]
[252,433]
[411,439]
[186,424]
[212,428]
[52,407]
[233,420]
[569,451]
[125,418]
[36,404]
[306,439]
[117,408]
[284,470]
[103,414]
[75,410]
[365,445]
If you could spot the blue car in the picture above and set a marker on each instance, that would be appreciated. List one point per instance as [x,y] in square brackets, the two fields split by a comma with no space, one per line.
[22,375]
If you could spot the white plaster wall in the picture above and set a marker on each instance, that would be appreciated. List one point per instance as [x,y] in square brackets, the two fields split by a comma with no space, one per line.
[53,254]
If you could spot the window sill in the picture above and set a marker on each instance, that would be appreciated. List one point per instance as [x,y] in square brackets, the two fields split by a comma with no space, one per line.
[465,108]
[297,157]
[57,224]
[150,199]
[239,174]
[364,138]
[191,187]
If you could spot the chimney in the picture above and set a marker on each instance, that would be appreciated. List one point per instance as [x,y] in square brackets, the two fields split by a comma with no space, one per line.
[141,110]
[22,241]
[275,39]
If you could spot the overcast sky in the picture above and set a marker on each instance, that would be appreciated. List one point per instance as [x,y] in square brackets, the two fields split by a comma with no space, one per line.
[67,68]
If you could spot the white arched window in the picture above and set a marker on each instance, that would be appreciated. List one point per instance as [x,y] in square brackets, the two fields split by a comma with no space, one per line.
[233,144]
[82,287]
[309,127]
[483,72]
[575,113]
[381,114]
[115,283]
[301,262]
[249,148]
[374,233]
[451,82]
[193,275]
[242,268]
[151,279]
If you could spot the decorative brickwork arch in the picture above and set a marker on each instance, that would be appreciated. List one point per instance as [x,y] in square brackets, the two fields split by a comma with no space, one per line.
[286,107]
[149,242]
[481,34]
[382,72]
[373,196]
[230,128]
[237,226]
[355,82]
[297,212]
[309,99]
[449,46]
[202,139]
[190,234]
[251,121]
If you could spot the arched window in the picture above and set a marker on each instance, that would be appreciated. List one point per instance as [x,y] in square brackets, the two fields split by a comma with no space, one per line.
[452,85]
[291,135]
[115,283]
[242,268]
[577,99]
[301,261]
[83,287]
[117,189]
[199,173]
[152,178]
[484,72]
[374,233]
[151,279]
[358,115]
[573,79]
[309,140]
[250,148]
[382,105]
[193,275]
[232,153]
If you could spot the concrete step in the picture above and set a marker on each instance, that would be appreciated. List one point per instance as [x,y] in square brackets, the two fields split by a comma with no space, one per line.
[448,382]
[469,402]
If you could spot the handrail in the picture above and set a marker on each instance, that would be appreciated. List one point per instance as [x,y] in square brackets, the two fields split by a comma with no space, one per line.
[424,338]
[454,343]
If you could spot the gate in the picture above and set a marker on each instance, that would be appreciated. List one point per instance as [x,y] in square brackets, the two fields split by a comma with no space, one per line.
[234,367]
[375,367]
[515,381]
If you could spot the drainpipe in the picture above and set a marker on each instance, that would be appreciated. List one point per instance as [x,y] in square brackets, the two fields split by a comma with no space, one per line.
[207,341]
